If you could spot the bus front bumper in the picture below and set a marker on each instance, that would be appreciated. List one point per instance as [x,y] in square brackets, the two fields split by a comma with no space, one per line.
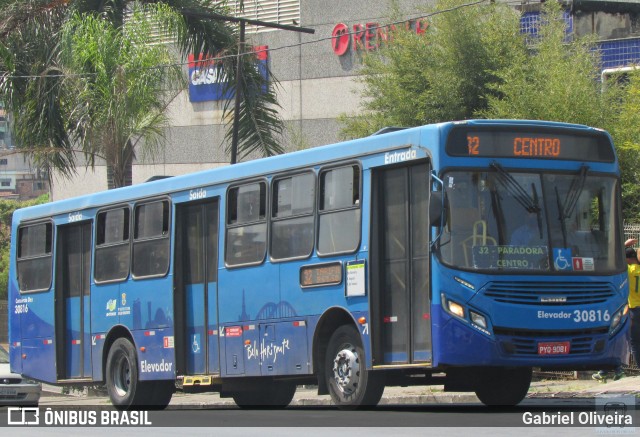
[460,344]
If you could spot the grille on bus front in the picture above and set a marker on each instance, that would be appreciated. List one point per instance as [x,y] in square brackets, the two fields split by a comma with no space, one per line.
[525,342]
[549,293]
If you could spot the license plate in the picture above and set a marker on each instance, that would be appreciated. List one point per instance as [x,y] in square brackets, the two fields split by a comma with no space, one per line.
[554,348]
[8,392]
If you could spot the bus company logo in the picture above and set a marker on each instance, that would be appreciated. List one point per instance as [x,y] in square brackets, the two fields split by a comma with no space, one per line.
[197,194]
[111,305]
[553,299]
[75,217]
[395,157]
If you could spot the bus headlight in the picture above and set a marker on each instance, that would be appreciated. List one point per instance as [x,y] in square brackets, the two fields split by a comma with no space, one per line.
[617,317]
[475,319]
[455,308]
[478,319]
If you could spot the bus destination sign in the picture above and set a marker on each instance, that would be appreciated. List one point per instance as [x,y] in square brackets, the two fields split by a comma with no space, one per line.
[543,144]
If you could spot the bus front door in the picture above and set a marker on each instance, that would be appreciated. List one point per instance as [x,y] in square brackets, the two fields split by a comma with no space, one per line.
[400,298]
[196,289]
[72,307]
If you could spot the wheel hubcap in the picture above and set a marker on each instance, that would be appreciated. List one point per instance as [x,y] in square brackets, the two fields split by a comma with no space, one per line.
[122,377]
[346,370]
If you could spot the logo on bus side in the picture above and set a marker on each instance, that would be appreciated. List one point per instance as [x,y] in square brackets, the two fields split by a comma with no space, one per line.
[392,158]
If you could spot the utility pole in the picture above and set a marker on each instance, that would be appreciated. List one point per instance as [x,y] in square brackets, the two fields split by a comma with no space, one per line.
[239,88]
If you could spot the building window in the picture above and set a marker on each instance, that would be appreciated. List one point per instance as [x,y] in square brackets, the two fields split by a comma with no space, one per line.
[34,257]
[339,210]
[271,11]
[112,245]
[292,214]
[5,182]
[246,224]
[3,161]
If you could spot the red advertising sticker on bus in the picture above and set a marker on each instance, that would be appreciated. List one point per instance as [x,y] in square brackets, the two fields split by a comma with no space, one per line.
[233,331]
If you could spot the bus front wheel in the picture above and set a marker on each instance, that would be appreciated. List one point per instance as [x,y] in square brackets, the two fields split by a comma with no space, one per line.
[123,384]
[350,384]
[499,386]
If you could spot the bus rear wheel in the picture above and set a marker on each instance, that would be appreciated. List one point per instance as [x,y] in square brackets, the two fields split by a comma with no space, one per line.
[161,393]
[499,386]
[350,384]
[125,389]
[272,394]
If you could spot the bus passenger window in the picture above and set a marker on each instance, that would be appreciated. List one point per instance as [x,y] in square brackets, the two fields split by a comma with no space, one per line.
[151,239]
[339,210]
[34,257]
[112,245]
[246,241]
[292,217]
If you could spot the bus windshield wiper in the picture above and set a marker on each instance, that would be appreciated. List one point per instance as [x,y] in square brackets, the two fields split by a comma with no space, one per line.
[513,187]
[569,205]
[575,190]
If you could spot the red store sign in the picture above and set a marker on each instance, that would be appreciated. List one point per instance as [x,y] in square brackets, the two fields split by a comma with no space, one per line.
[368,36]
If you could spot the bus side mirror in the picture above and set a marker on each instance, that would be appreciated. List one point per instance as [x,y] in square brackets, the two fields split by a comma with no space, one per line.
[436,208]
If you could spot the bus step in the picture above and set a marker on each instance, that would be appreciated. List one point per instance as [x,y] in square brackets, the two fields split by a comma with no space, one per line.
[197,380]
[74,380]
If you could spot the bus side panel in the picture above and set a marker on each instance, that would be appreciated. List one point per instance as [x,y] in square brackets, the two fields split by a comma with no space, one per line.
[15,333]
[283,348]
[155,354]
[37,336]
[146,303]
[245,296]
[104,314]
[40,359]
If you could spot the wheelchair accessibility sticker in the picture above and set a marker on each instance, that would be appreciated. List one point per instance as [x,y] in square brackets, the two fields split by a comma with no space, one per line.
[562,259]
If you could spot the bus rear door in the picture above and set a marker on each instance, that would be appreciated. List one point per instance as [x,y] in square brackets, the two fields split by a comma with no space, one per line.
[196,290]
[72,308]
[400,265]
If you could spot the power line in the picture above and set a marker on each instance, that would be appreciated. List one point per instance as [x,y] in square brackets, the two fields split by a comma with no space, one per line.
[216,59]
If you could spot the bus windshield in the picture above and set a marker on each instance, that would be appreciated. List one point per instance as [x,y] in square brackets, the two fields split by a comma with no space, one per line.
[531,221]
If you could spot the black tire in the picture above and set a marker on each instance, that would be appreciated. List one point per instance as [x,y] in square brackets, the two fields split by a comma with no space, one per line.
[498,386]
[122,374]
[271,394]
[161,394]
[350,384]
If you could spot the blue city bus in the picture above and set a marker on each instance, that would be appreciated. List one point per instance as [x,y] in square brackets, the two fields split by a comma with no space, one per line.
[462,254]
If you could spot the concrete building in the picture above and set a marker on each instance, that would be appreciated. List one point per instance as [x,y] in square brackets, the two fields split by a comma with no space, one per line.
[317,75]
[19,179]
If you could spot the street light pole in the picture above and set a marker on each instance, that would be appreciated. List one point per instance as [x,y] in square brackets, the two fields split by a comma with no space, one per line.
[239,91]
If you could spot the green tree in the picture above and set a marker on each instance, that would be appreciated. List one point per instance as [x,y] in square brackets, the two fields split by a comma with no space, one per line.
[7,207]
[556,78]
[49,120]
[441,75]
[626,134]
[119,94]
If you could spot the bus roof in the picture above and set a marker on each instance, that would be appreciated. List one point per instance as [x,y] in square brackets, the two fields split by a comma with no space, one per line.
[259,167]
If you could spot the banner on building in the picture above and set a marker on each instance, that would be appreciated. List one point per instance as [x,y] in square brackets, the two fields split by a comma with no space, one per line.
[208,82]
